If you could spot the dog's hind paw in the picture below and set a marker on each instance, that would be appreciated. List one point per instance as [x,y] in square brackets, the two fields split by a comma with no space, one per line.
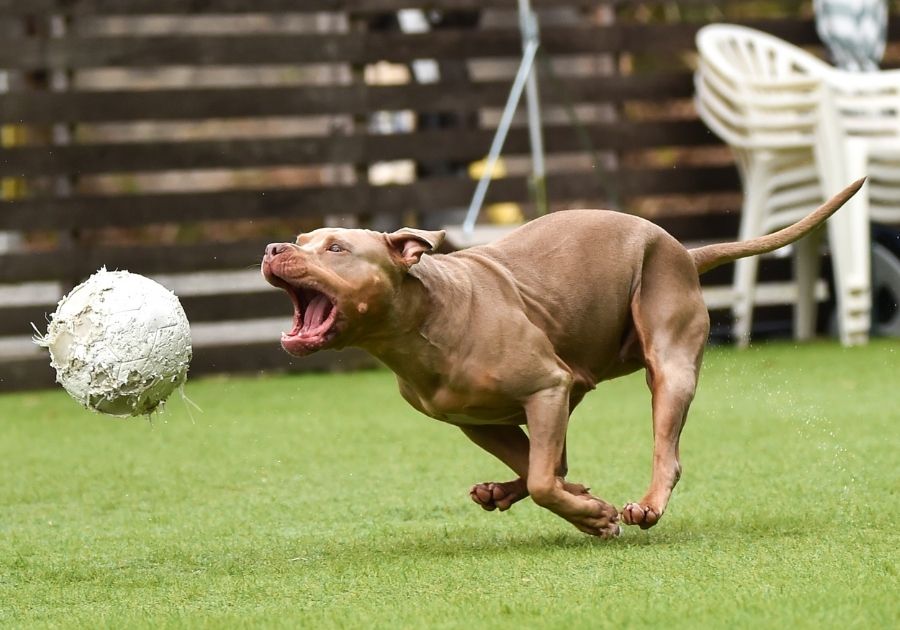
[644,516]
[492,495]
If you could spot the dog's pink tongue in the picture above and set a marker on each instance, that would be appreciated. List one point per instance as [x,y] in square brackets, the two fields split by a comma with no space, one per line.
[316,312]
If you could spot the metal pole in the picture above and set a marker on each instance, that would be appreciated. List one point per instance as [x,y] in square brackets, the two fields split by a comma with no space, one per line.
[529,26]
[524,77]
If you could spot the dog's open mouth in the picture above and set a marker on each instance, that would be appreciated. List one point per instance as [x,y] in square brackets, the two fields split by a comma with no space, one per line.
[315,314]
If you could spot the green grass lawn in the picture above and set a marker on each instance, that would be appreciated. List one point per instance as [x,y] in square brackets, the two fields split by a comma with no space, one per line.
[325,501]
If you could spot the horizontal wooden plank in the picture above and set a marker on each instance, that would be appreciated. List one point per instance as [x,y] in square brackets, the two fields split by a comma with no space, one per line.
[199,7]
[17,320]
[769,322]
[358,48]
[714,225]
[441,145]
[244,102]
[79,263]
[25,374]
[95,211]
[269,356]
[36,373]
[236,306]
[130,51]
[771,269]
[421,196]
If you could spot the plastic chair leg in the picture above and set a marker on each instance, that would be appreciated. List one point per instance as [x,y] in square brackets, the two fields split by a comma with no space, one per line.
[745,269]
[850,242]
[851,262]
[807,263]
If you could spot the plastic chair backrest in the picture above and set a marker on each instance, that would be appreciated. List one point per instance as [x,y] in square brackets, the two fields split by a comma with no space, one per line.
[755,90]
[868,103]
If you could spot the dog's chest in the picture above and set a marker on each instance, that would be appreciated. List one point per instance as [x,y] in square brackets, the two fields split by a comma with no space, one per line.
[466,402]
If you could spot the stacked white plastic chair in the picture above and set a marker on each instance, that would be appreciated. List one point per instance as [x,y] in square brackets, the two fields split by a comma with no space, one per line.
[801,130]
[867,142]
[768,109]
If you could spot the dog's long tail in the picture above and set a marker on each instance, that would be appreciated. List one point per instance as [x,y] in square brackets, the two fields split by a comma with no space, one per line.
[711,256]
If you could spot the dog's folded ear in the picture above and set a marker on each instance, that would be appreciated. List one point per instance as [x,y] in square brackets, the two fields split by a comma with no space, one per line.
[409,244]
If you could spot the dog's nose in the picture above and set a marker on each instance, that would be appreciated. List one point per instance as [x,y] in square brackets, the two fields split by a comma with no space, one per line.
[273,249]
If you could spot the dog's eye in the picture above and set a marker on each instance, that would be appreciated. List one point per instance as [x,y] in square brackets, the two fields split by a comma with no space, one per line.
[334,247]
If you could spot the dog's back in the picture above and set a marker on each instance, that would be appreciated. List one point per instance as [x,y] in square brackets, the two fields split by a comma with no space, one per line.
[577,272]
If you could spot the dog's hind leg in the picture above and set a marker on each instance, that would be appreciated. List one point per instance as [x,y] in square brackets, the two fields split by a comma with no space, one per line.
[673,385]
[672,324]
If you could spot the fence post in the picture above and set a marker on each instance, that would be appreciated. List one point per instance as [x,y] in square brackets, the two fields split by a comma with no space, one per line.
[10,136]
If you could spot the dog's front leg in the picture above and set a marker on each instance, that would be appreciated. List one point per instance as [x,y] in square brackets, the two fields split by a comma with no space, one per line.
[547,413]
[509,444]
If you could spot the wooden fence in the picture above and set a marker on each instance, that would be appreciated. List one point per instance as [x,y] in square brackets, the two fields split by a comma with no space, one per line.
[172,137]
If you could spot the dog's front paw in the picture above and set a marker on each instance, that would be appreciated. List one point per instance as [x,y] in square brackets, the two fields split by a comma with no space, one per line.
[576,488]
[602,521]
[492,495]
[645,516]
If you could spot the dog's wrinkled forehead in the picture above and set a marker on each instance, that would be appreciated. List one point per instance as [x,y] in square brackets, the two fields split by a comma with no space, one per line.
[401,249]
[357,240]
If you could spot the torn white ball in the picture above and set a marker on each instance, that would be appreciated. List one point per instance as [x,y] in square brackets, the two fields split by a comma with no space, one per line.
[120,343]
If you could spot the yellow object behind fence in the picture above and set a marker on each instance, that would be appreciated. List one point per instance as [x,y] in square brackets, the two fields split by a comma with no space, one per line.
[11,136]
[498,213]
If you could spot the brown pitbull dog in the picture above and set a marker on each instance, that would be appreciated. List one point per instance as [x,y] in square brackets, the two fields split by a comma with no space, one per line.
[517,332]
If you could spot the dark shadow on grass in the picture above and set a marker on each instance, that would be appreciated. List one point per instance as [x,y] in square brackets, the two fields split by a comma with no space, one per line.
[477,543]
[471,541]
